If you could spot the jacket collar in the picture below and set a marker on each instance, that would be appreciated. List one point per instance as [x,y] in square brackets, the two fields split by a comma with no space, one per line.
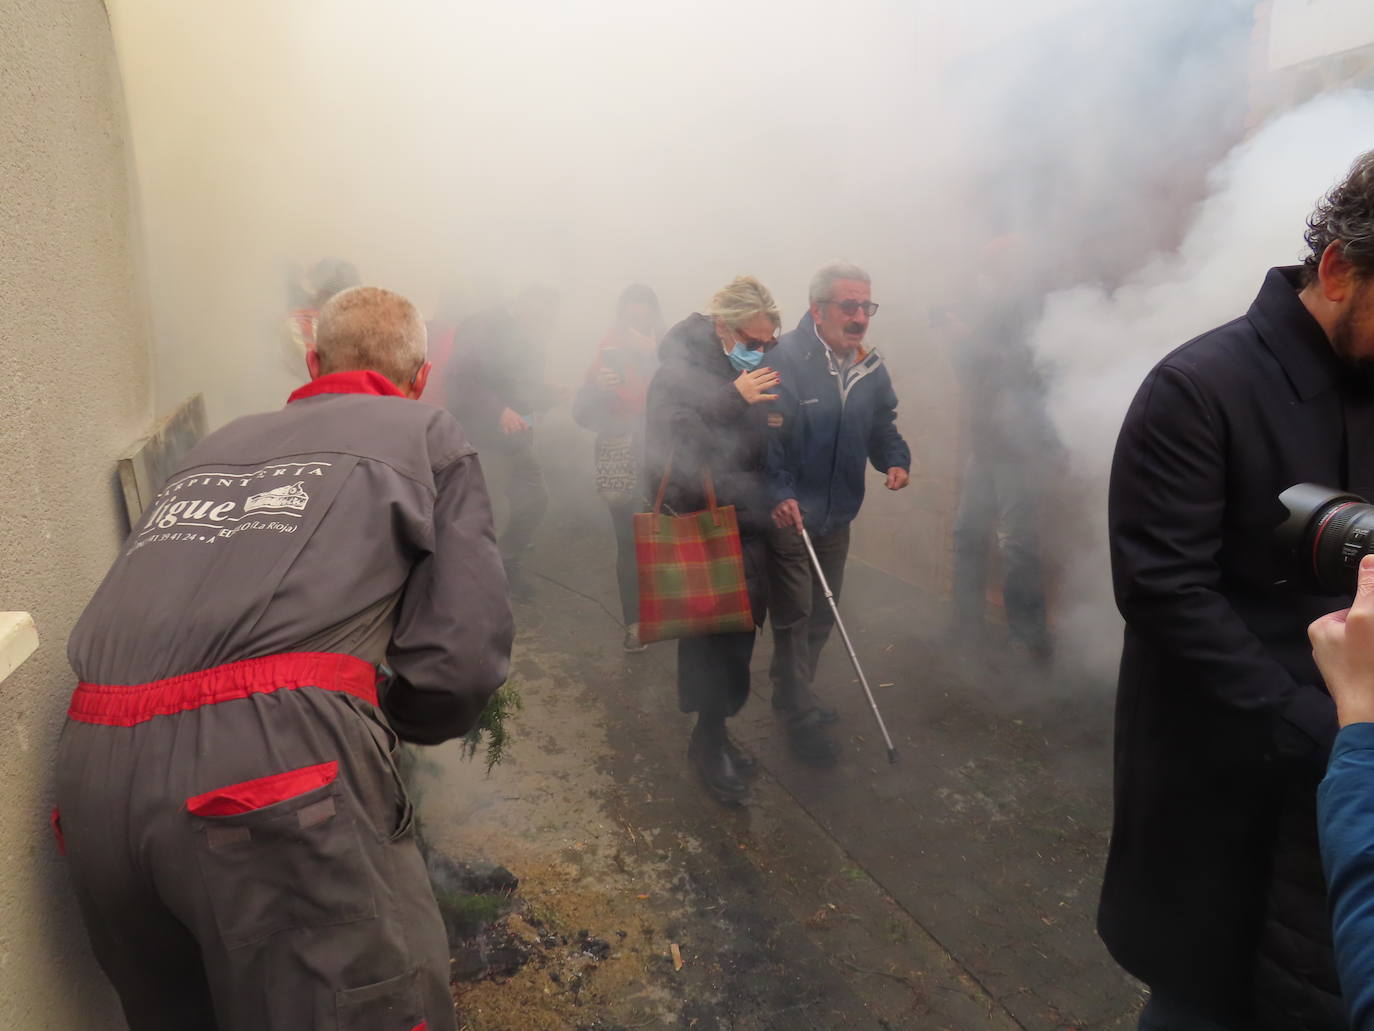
[360,382]
[1293,336]
[694,341]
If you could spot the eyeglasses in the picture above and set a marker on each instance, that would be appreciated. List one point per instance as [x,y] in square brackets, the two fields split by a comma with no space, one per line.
[851,308]
[756,345]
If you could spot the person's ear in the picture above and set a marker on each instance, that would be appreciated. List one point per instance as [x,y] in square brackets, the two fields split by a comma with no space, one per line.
[1336,274]
[417,385]
[312,362]
[816,310]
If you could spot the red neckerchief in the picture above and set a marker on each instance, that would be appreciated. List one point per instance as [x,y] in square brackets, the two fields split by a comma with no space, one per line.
[363,382]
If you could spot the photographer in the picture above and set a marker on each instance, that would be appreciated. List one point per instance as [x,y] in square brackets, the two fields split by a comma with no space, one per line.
[1343,645]
[1213,893]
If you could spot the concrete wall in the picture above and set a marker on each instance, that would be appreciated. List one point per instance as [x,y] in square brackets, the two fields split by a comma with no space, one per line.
[74,393]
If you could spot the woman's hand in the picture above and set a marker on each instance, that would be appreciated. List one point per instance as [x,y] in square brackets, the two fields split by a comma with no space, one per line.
[607,379]
[753,386]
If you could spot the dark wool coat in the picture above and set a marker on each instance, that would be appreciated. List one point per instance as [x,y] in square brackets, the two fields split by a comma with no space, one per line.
[697,418]
[1212,888]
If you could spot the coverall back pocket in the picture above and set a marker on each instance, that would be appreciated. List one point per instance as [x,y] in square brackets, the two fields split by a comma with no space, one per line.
[281,853]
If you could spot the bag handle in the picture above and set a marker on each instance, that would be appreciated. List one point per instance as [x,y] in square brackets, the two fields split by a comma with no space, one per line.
[707,481]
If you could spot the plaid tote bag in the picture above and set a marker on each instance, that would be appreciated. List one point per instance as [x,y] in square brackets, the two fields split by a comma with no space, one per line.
[691,570]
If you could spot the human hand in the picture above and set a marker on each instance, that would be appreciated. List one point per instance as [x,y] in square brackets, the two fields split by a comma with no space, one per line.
[1343,645]
[897,478]
[752,386]
[787,513]
[607,378]
[511,422]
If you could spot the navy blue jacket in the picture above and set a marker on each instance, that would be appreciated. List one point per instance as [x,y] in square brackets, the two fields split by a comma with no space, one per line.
[1345,822]
[827,427]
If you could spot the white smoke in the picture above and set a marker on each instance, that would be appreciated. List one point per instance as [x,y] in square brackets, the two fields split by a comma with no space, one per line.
[1098,345]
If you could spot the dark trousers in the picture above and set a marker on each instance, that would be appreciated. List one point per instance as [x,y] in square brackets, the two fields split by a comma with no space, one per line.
[515,462]
[713,674]
[626,568]
[800,615]
[999,499]
[1162,1013]
[311,910]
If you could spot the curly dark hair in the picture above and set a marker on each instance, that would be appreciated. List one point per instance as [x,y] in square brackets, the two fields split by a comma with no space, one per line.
[1345,216]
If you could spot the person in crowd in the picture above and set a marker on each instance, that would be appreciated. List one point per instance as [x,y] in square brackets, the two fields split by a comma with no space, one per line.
[1012,446]
[705,415]
[1343,646]
[836,413]
[326,278]
[311,585]
[1213,892]
[611,403]
[442,330]
[496,387]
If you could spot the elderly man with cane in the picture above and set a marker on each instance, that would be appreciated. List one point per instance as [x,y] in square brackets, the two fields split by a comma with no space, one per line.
[836,413]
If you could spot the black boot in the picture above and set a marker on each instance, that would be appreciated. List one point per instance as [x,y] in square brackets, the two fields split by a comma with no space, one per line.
[746,765]
[810,742]
[794,704]
[708,753]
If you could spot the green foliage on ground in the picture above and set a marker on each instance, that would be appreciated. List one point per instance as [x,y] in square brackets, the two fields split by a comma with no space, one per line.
[469,915]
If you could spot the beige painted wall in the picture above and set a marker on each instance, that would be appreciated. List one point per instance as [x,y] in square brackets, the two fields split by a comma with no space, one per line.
[73,394]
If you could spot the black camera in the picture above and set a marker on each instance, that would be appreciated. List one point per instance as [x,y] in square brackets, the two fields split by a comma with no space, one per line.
[1326,534]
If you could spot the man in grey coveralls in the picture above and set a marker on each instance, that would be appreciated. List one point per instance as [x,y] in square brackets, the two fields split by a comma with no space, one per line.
[241,846]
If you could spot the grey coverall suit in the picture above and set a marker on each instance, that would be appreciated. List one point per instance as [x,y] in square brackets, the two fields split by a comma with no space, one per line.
[241,845]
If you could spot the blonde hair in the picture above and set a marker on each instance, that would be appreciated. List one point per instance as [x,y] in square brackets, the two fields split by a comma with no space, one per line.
[741,300]
[366,327]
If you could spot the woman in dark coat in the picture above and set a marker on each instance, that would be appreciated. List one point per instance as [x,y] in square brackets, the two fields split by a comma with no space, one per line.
[611,404]
[705,413]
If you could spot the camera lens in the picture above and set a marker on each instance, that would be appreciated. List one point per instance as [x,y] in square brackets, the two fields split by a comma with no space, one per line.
[1326,534]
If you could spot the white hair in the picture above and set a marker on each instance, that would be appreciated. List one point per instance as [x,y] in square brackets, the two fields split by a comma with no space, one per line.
[366,327]
[742,299]
[823,282]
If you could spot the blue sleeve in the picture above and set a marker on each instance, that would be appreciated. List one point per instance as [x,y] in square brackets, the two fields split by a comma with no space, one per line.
[782,459]
[1345,823]
[886,447]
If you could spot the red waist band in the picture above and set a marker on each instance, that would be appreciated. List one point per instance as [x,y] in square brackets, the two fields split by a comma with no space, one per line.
[121,705]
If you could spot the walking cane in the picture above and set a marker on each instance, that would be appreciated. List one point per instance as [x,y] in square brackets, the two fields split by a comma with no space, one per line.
[849,645]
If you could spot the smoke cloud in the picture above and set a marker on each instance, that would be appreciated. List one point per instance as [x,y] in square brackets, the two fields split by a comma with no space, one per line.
[467,150]
[1098,344]
[459,152]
